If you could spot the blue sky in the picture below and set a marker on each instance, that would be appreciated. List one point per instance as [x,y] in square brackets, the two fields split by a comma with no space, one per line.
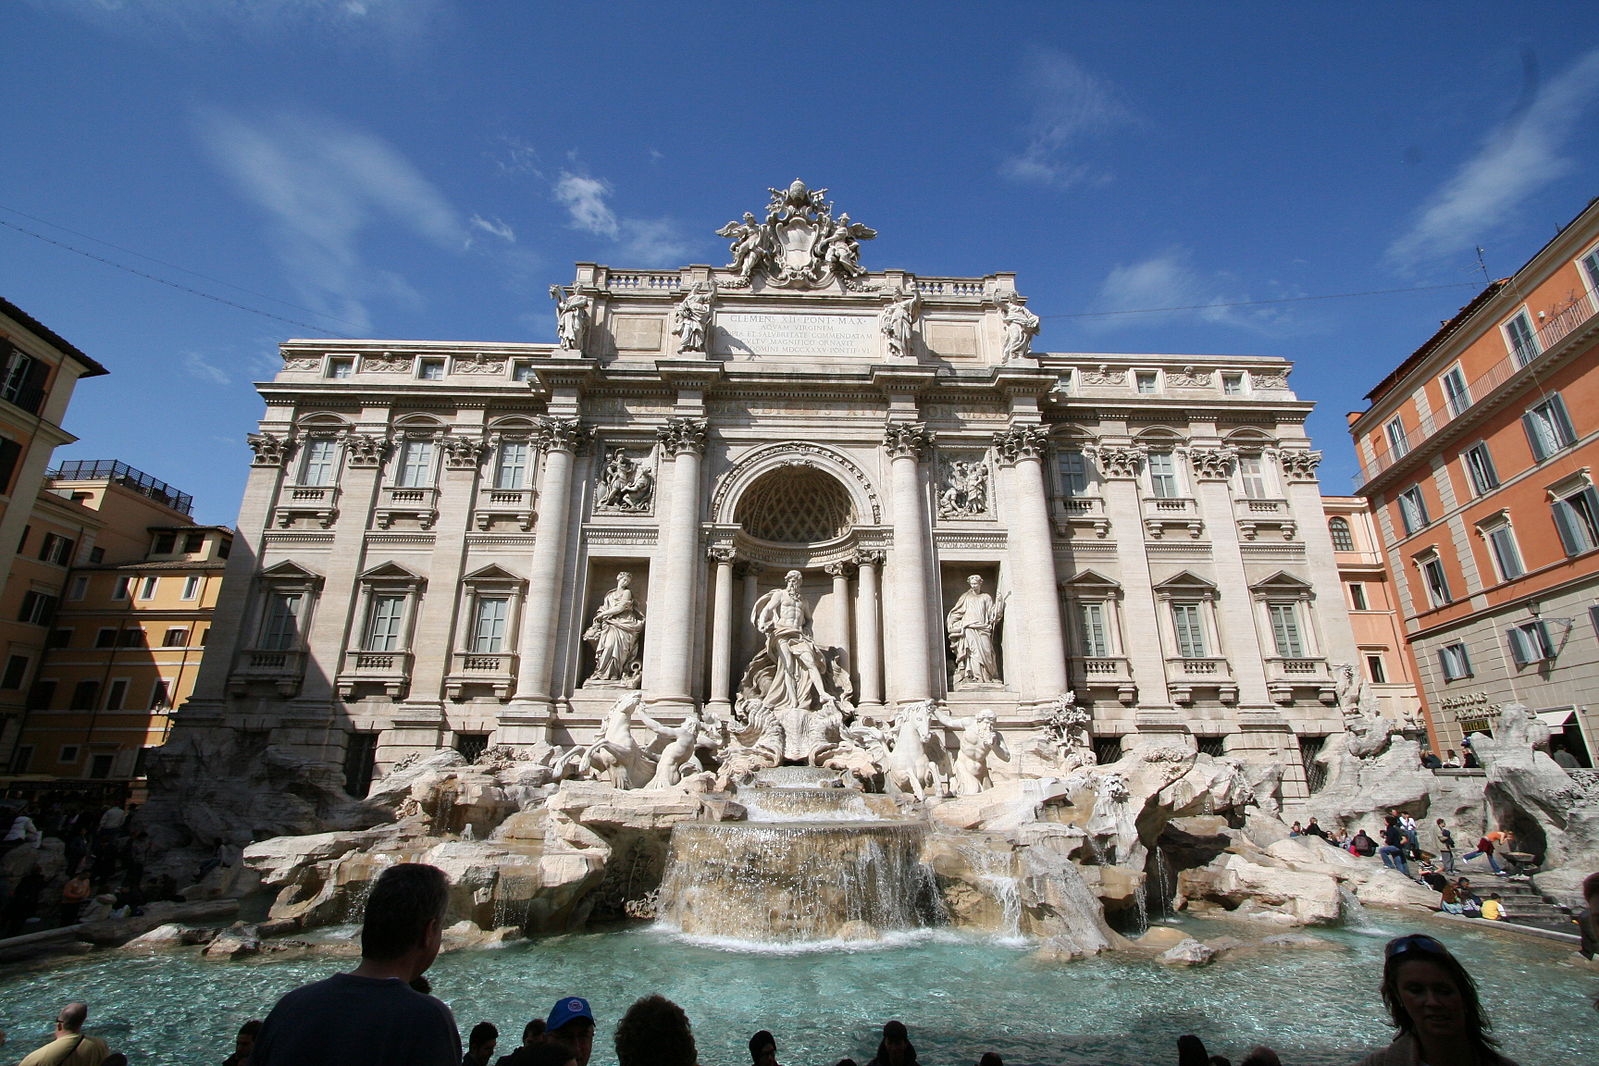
[425,169]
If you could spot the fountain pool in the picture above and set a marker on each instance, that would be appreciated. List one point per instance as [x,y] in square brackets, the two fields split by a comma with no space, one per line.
[960,996]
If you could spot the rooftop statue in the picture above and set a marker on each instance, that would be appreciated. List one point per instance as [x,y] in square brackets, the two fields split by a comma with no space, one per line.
[800,245]
[571,318]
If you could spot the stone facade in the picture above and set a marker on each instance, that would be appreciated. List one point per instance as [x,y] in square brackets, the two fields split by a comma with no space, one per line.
[433,535]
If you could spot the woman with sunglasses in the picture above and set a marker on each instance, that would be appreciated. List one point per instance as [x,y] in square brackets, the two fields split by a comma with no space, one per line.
[1434,1005]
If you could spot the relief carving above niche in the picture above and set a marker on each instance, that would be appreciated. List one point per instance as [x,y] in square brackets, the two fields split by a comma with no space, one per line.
[963,486]
[626,483]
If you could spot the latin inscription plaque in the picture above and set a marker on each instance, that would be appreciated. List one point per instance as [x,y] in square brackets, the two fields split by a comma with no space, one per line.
[823,336]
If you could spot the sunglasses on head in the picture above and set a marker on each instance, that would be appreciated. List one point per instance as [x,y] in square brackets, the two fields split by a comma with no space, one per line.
[1414,942]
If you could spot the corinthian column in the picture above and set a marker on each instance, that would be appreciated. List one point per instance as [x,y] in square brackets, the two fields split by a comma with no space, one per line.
[683,441]
[722,634]
[868,639]
[1032,555]
[559,439]
[908,617]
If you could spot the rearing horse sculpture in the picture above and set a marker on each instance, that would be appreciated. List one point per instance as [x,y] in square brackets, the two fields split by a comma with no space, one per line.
[907,768]
[616,754]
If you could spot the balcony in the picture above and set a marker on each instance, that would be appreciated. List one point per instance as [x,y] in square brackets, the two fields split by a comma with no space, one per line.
[315,502]
[1081,512]
[1556,328]
[1107,673]
[494,670]
[1256,515]
[1174,512]
[510,505]
[387,670]
[282,669]
[1185,676]
[1287,675]
[419,504]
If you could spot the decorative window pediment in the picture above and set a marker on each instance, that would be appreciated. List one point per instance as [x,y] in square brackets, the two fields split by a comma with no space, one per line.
[290,573]
[1091,583]
[1186,582]
[392,575]
[1282,585]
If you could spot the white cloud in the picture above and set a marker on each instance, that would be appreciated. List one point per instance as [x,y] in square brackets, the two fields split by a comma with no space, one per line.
[494,227]
[324,185]
[653,242]
[584,200]
[1519,157]
[1069,105]
[197,366]
[1169,279]
[393,19]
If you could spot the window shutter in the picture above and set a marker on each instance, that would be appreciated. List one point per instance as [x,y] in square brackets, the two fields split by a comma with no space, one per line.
[1535,438]
[1566,526]
[1561,421]
[1518,647]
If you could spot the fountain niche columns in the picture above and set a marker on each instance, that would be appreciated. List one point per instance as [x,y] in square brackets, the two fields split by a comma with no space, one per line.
[722,634]
[868,634]
[683,441]
[1020,451]
[911,673]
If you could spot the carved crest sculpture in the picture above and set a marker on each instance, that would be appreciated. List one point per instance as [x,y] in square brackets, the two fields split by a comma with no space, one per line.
[800,245]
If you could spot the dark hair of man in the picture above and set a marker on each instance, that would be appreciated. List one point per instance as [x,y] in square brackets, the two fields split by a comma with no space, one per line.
[482,1032]
[402,903]
[990,1058]
[534,1028]
[655,1032]
[251,1028]
[72,1016]
[759,1043]
[1477,1024]
[896,1031]
[1590,886]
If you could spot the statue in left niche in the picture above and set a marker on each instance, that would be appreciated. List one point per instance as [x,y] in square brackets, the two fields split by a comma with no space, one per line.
[626,484]
[571,317]
[691,319]
[971,624]
[615,635]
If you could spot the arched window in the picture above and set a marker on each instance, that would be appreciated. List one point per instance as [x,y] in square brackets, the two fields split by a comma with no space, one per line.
[797,505]
[1343,539]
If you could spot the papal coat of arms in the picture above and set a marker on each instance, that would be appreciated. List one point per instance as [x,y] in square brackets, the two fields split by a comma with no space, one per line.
[800,245]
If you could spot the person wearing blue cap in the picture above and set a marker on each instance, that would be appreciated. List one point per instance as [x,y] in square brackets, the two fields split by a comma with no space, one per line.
[571,1024]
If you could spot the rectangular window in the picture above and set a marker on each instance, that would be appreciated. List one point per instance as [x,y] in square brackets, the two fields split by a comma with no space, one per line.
[1252,473]
[105,638]
[1232,384]
[1590,267]
[1455,392]
[1507,556]
[416,464]
[340,368]
[1437,582]
[23,760]
[1521,340]
[68,754]
[160,694]
[37,608]
[1454,662]
[80,588]
[96,555]
[430,369]
[280,630]
[1357,596]
[59,638]
[43,694]
[84,695]
[318,464]
[1162,475]
[1190,630]
[100,765]
[1285,629]
[116,695]
[10,456]
[488,628]
[1147,381]
[1073,474]
[22,381]
[191,586]
[1376,672]
[384,620]
[1412,510]
[133,638]
[1091,630]
[16,670]
[122,588]
[175,638]
[1577,520]
[193,543]
[147,590]
[1530,643]
[510,470]
[521,370]
[1480,468]
[57,550]
[164,543]
[1548,428]
[1398,441]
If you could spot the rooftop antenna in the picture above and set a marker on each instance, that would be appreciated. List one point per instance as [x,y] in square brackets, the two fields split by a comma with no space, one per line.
[1481,263]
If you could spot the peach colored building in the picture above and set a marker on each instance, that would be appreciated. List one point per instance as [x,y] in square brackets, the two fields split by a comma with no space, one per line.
[1478,456]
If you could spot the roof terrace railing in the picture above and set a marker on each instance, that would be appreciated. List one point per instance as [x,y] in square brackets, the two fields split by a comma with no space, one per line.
[127,476]
[1556,328]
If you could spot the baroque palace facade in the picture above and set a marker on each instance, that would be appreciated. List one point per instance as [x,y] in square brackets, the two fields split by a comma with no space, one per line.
[790,481]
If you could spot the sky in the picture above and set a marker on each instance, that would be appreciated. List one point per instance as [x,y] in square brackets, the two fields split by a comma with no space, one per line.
[190,182]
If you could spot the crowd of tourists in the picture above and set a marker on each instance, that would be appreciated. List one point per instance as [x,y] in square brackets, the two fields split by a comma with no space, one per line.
[382,1013]
[106,853]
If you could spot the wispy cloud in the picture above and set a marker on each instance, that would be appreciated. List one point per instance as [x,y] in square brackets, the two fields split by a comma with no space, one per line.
[494,227]
[584,200]
[643,241]
[654,242]
[323,185]
[1069,106]
[196,365]
[1519,157]
[1168,287]
[395,20]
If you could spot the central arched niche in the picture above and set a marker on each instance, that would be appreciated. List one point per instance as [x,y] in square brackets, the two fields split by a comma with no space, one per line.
[795,505]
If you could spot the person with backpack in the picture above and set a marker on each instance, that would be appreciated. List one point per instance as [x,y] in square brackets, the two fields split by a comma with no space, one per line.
[1446,847]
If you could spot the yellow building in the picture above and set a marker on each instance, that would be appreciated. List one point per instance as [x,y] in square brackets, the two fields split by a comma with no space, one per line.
[39,533]
[129,631]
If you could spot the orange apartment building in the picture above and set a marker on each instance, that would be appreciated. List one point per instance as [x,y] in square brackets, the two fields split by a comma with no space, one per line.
[129,631]
[1478,456]
[1385,667]
[38,534]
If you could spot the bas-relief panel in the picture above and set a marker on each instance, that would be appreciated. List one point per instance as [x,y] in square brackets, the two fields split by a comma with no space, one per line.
[951,338]
[637,333]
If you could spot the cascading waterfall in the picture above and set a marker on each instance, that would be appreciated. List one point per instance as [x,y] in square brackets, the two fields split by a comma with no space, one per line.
[810,861]
[995,870]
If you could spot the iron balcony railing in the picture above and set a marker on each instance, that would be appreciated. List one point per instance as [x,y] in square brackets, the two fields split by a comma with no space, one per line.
[1555,329]
[123,474]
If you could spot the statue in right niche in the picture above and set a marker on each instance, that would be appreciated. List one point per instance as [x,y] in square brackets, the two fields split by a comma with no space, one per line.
[615,635]
[971,624]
